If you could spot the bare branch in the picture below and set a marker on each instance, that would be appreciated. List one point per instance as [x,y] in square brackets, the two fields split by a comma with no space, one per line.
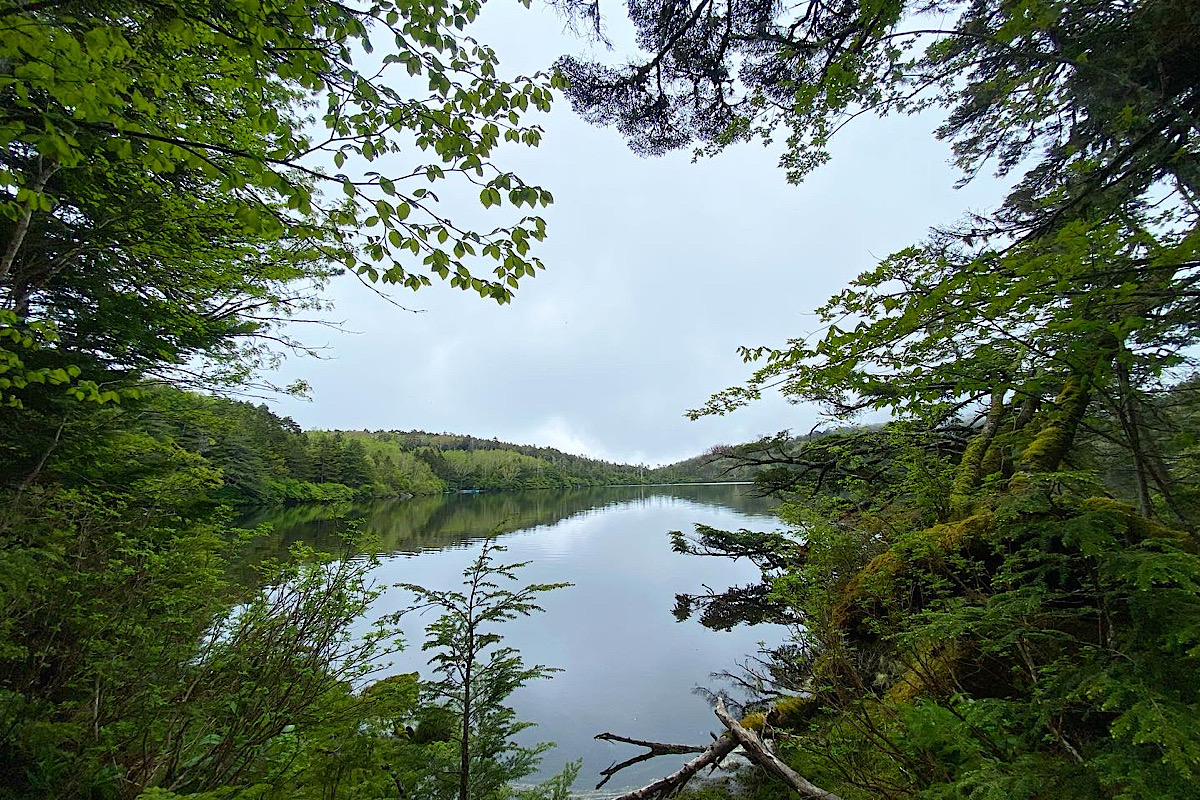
[653,749]
[671,784]
[757,752]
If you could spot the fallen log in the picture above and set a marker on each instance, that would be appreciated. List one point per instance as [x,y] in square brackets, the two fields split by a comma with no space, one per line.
[722,746]
[757,752]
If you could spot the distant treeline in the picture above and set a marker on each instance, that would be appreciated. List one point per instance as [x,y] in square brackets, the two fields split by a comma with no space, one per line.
[267,459]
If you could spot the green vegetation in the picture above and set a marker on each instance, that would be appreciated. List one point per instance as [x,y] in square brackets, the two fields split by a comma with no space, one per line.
[1038,642]
[264,459]
[466,462]
[475,675]
[713,466]
[997,593]
[176,182]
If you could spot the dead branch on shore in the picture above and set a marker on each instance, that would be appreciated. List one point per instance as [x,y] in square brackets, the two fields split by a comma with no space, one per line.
[671,784]
[712,755]
[757,752]
[653,749]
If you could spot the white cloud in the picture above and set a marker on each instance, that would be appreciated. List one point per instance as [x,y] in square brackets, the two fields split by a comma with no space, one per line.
[656,271]
[557,432]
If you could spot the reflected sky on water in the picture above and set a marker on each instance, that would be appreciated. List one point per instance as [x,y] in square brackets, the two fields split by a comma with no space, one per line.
[628,666]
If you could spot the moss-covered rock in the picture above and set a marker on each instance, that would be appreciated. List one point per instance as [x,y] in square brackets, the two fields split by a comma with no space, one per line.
[931,671]
[874,585]
[792,713]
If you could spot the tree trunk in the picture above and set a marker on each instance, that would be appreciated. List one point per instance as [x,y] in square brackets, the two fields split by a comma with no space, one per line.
[464,759]
[713,755]
[22,227]
[1052,443]
[1129,422]
[757,752]
[970,469]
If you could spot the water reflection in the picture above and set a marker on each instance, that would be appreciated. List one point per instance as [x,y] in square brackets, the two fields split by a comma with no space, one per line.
[454,520]
[629,666]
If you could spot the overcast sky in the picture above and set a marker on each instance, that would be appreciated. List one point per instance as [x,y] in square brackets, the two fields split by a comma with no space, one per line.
[657,269]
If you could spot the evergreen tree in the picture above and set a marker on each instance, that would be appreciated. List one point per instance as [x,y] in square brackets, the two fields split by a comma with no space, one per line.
[476,675]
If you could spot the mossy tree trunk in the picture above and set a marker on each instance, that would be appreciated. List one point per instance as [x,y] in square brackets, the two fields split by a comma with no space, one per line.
[1052,443]
[970,470]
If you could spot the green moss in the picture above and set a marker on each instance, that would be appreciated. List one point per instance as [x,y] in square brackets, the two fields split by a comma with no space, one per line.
[1138,527]
[969,474]
[928,547]
[792,713]
[1044,448]
[933,672]
[754,721]
[993,459]
[955,535]
[1055,435]
[972,458]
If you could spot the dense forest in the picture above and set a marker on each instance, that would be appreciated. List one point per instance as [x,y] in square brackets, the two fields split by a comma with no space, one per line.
[258,458]
[996,594]
[466,462]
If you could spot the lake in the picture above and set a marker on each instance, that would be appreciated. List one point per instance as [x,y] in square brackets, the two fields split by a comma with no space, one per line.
[628,666]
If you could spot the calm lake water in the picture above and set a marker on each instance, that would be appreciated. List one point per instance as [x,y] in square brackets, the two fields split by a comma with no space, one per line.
[628,666]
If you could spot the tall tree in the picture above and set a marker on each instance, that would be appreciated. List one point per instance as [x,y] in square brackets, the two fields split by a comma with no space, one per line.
[177,180]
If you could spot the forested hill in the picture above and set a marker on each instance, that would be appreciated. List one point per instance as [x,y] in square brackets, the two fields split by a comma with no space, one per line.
[267,459]
[549,461]
[474,463]
[714,465]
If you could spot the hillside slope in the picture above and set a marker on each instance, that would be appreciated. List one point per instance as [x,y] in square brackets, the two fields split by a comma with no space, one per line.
[267,459]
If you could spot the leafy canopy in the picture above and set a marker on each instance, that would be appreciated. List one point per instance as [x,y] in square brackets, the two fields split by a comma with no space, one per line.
[177,181]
